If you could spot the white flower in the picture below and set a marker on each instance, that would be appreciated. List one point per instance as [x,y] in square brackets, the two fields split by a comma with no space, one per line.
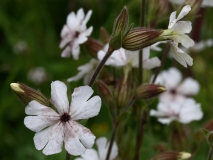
[37,75]
[123,57]
[176,32]
[103,146]
[182,111]
[74,33]
[85,71]
[176,88]
[202,45]
[53,129]
[205,3]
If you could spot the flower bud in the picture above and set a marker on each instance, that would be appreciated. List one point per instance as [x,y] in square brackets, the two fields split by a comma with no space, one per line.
[93,46]
[120,29]
[27,94]
[123,91]
[149,91]
[105,92]
[139,38]
[171,155]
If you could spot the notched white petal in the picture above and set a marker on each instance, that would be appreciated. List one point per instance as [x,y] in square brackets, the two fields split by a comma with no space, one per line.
[59,96]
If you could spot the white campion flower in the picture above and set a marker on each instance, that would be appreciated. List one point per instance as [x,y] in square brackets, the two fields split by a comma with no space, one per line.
[103,146]
[205,3]
[176,33]
[74,33]
[122,57]
[182,111]
[199,46]
[85,71]
[55,128]
[37,75]
[176,88]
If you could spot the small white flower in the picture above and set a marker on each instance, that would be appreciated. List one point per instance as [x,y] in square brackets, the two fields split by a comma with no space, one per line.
[176,88]
[176,32]
[53,129]
[103,146]
[202,45]
[205,3]
[123,57]
[20,47]
[85,71]
[74,33]
[182,111]
[37,75]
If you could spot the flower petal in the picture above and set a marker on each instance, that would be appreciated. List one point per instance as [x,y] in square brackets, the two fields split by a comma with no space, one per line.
[80,15]
[182,27]
[66,52]
[41,138]
[86,19]
[172,19]
[185,10]
[181,56]
[190,111]
[165,120]
[151,63]
[90,109]
[59,96]
[72,21]
[75,50]
[77,137]
[37,123]
[35,108]
[102,147]
[55,140]
[90,154]
[189,87]
[185,40]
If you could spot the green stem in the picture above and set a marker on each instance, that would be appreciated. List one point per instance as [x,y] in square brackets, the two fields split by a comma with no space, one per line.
[162,62]
[68,156]
[101,64]
[210,154]
[140,134]
[143,13]
[112,140]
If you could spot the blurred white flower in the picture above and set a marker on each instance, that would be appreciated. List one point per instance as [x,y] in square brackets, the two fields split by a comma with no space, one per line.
[85,71]
[202,45]
[103,146]
[53,129]
[37,75]
[176,88]
[176,32]
[74,33]
[182,111]
[123,57]
[20,47]
[205,3]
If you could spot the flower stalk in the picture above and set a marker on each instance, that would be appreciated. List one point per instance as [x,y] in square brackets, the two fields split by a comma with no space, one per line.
[101,64]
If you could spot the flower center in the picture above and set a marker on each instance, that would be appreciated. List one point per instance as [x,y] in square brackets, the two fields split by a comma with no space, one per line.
[65,117]
[173,91]
[77,34]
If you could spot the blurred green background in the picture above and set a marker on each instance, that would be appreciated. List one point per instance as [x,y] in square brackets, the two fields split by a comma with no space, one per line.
[35,25]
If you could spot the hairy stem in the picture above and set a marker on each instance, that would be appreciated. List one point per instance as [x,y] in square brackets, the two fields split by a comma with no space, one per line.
[101,64]
[140,134]
[68,156]
[162,62]
[210,154]
[112,140]
[142,16]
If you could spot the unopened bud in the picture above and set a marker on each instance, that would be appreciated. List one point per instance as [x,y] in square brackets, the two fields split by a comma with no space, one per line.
[27,94]
[139,38]
[120,29]
[149,91]
[105,92]
[123,91]
[171,155]
[93,46]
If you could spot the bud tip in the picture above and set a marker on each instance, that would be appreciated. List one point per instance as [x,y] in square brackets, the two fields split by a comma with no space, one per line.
[16,87]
